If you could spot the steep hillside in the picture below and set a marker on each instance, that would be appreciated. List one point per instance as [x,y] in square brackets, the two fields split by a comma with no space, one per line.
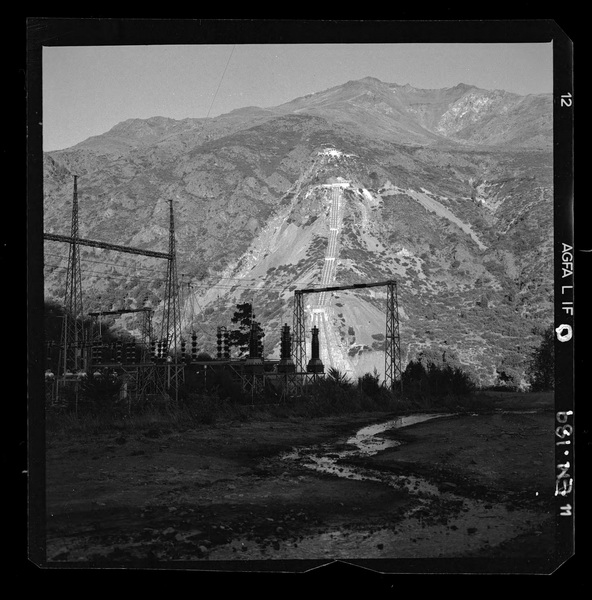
[430,187]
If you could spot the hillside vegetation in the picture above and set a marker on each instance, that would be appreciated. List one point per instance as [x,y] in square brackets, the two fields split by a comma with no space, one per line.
[447,191]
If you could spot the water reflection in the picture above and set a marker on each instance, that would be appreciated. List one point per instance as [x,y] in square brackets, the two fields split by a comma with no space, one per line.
[325,458]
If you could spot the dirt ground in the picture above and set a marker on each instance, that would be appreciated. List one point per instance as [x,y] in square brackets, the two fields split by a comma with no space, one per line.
[470,486]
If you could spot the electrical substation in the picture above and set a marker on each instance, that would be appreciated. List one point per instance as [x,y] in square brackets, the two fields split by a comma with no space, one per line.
[153,366]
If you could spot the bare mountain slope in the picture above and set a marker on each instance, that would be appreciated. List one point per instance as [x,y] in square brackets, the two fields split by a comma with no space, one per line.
[425,186]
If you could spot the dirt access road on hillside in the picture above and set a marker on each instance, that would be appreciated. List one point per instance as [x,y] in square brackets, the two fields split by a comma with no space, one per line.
[302,490]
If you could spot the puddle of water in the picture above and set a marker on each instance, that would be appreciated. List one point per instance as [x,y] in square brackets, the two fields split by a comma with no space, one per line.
[473,526]
[367,439]
[366,442]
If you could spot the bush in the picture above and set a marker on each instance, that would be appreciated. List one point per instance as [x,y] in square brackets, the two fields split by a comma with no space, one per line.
[369,384]
[433,380]
[541,370]
[338,378]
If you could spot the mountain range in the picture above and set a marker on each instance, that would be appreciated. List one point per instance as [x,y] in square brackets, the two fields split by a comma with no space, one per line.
[448,191]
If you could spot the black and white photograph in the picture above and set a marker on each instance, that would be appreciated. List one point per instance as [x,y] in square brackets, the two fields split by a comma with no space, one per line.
[301,298]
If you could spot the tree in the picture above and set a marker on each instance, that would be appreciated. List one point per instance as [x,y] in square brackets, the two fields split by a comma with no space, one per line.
[541,372]
[244,317]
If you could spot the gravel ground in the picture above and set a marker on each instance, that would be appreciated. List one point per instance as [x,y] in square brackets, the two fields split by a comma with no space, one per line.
[242,495]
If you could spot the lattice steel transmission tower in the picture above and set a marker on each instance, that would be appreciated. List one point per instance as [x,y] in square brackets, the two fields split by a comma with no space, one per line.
[299,328]
[392,358]
[72,326]
[146,333]
[171,321]
[392,348]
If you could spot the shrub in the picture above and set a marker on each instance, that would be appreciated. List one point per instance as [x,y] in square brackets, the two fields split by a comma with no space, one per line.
[369,384]
[541,370]
[428,379]
[339,378]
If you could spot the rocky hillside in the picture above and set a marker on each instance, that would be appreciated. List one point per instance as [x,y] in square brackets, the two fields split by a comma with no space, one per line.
[449,191]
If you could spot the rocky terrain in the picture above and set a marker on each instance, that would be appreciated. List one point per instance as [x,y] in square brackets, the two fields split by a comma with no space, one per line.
[449,191]
[257,493]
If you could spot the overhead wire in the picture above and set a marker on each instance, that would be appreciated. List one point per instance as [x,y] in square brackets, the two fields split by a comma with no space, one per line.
[104,262]
[191,284]
[108,275]
[220,82]
[229,286]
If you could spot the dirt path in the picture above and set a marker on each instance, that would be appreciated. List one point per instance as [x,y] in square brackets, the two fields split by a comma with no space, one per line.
[460,486]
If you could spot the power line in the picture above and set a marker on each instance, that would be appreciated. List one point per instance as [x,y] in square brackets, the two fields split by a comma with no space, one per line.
[104,262]
[108,275]
[152,270]
[220,82]
[234,286]
[226,285]
[229,286]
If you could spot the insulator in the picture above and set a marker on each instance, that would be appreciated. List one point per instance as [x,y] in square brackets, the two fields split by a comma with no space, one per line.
[285,342]
[130,353]
[193,345]
[96,353]
[315,343]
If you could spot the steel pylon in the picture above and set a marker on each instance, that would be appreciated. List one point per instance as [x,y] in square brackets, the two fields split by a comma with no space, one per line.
[171,321]
[299,338]
[392,350]
[72,325]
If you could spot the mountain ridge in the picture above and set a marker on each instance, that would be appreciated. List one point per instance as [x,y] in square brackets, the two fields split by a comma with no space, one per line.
[309,104]
[462,220]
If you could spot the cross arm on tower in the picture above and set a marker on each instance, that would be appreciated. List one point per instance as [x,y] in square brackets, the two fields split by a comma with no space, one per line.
[342,287]
[82,242]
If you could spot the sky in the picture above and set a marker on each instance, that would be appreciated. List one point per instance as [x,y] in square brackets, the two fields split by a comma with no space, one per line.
[87,90]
